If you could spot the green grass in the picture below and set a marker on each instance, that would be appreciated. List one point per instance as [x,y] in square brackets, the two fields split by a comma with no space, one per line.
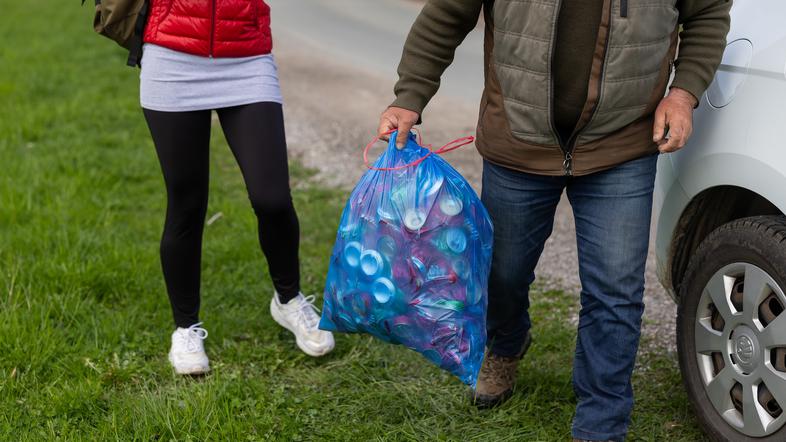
[84,321]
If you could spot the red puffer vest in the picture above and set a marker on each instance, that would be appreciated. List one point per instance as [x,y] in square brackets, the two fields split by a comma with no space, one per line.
[214,28]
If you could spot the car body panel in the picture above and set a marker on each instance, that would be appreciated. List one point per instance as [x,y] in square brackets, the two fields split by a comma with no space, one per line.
[740,143]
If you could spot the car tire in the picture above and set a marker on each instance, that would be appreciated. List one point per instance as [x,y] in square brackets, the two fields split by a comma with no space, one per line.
[757,243]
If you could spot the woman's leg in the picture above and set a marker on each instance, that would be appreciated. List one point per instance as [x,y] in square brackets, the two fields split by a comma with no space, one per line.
[182,142]
[255,133]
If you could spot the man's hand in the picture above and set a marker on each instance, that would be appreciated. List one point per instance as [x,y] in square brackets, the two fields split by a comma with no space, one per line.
[400,119]
[674,112]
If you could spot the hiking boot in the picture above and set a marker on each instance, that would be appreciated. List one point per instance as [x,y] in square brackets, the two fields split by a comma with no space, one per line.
[497,377]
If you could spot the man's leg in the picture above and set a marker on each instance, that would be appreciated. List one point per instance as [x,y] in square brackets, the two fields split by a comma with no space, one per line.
[522,209]
[613,209]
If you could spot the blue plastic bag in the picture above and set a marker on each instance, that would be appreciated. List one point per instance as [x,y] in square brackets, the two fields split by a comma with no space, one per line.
[411,260]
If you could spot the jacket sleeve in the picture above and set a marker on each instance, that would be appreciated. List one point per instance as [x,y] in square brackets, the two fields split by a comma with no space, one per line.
[705,24]
[430,47]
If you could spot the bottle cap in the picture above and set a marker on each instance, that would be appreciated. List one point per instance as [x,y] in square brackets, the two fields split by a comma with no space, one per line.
[383,289]
[352,253]
[450,205]
[414,219]
[371,262]
[456,240]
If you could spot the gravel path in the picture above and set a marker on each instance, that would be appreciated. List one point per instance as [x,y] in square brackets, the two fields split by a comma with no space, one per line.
[332,111]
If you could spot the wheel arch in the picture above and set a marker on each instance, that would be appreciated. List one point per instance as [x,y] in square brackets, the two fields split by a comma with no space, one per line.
[707,211]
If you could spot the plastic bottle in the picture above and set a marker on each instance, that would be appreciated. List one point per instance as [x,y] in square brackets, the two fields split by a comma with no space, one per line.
[398,198]
[419,266]
[414,219]
[430,183]
[386,211]
[387,246]
[371,263]
[450,205]
[361,304]
[383,290]
[461,267]
[401,273]
[436,271]
[474,294]
[405,330]
[352,252]
[455,240]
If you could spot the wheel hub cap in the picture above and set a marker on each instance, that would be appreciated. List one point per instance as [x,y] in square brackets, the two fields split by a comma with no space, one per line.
[746,348]
[740,339]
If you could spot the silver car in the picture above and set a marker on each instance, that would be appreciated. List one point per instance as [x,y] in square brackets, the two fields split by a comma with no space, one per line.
[721,235]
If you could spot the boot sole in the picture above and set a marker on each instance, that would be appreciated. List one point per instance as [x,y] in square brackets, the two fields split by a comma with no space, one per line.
[483,402]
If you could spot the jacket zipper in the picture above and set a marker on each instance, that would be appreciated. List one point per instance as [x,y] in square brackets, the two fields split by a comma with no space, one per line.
[623,8]
[212,27]
[567,165]
[569,147]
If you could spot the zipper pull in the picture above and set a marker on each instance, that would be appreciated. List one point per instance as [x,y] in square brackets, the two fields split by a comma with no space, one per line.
[624,8]
[567,165]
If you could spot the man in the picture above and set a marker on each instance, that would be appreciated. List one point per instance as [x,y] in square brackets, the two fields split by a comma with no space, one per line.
[574,100]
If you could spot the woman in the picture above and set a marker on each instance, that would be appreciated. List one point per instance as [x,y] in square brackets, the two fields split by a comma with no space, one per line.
[200,56]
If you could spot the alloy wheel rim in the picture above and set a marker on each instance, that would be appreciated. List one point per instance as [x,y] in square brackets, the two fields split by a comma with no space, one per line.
[740,337]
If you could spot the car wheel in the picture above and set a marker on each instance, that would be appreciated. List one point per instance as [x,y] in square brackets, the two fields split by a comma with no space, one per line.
[731,330]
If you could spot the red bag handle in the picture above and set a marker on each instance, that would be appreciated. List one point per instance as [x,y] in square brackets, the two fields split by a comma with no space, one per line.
[453,145]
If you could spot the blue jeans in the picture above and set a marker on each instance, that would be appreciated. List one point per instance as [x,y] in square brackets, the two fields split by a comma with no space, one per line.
[613,209]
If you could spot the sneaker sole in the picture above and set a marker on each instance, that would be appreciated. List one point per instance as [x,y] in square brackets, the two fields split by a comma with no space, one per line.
[192,371]
[277,317]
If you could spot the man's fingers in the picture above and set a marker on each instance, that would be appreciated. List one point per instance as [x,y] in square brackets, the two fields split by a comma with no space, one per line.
[403,134]
[385,126]
[676,140]
[660,126]
[688,133]
[395,118]
[667,145]
[680,133]
[382,132]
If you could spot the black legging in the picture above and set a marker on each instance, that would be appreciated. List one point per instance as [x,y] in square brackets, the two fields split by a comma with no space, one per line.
[255,133]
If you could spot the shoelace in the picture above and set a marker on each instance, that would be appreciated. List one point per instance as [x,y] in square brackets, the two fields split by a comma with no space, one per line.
[307,311]
[194,334]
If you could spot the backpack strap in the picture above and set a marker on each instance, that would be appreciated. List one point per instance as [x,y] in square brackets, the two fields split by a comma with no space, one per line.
[135,51]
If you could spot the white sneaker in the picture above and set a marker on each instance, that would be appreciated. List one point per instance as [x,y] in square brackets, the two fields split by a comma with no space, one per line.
[300,317]
[187,354]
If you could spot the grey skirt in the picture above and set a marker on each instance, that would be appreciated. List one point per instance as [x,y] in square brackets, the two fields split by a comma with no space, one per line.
[173,81]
